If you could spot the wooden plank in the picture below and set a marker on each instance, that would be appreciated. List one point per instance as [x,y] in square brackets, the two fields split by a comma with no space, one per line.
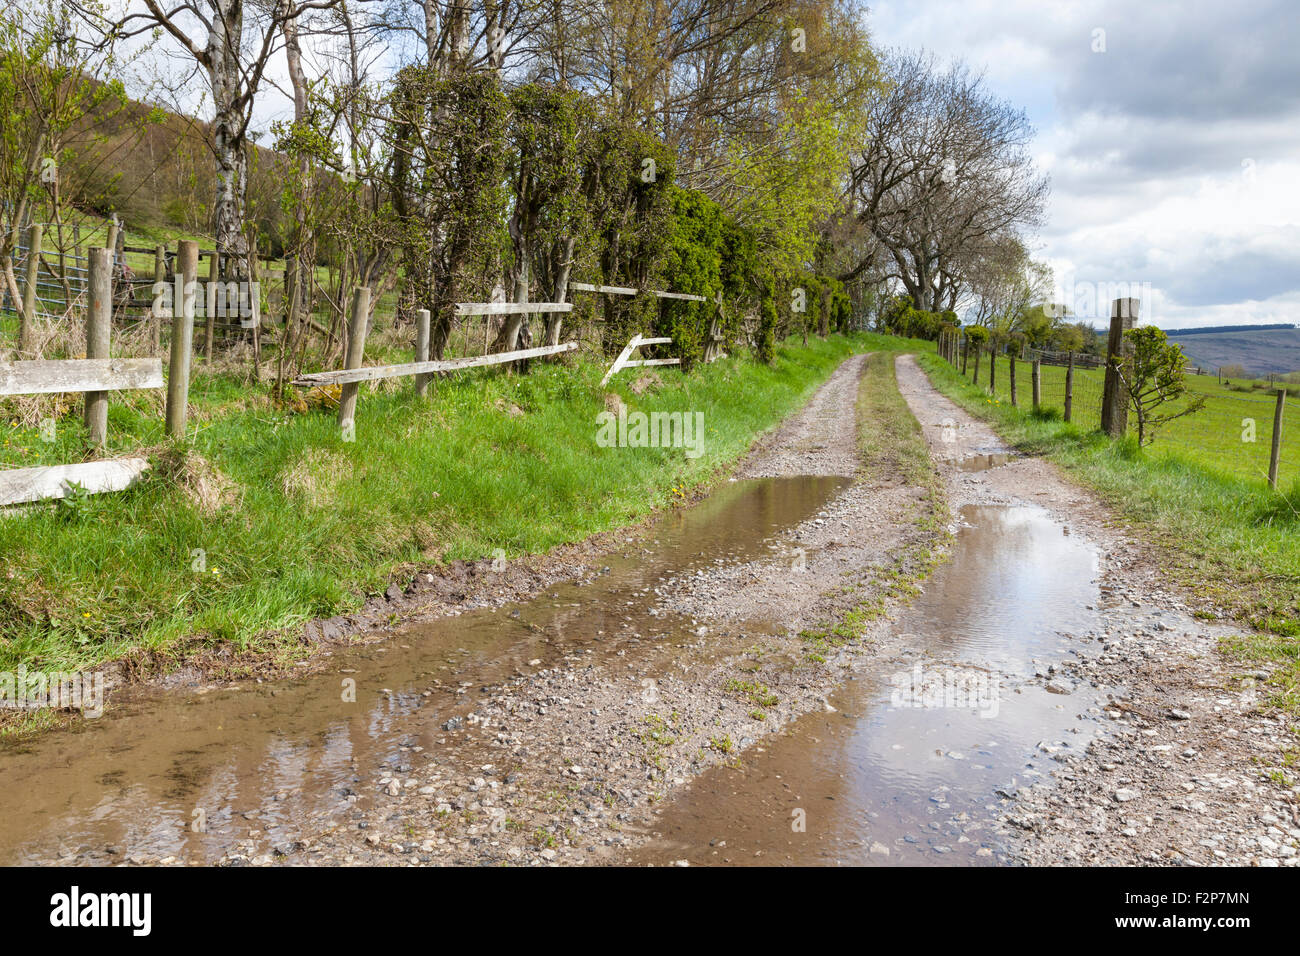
[624,290]
[24,485]
[421,368]
[681,295]
[79,375]
[622,358]
[510,308]
[660,341]
[605,289]
[672,361]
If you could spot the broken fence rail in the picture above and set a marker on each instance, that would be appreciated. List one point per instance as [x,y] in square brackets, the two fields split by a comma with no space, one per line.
[625,360]
[624,290]
[376,372]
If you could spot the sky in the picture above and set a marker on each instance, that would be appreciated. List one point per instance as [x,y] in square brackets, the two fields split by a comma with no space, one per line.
[1170,132]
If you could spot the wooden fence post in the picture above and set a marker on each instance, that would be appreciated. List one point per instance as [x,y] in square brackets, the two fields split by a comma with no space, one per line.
[1038,383]
[1114,403]
[159,275]
[422,349]
[993,372]
[1015,400]
[1069,387]
[111,242]
[178,368]
[356,349]
[975,372]
[27,321]
[1276,451]
[965,354]
[99,322]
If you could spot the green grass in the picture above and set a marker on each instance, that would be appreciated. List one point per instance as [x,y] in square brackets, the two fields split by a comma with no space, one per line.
[311,523]
[1218,437]
[1222,533]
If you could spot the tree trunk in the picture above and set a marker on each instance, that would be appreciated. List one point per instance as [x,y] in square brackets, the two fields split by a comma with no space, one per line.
[229,138]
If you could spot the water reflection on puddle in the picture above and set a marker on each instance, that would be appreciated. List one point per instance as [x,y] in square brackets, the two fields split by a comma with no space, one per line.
[279,758]
[910,761]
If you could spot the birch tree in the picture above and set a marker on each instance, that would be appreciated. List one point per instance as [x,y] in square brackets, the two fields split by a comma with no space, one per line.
[232,42]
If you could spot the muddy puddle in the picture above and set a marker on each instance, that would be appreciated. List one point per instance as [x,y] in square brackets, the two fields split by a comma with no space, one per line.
[984,462]
[189,776]
[907,769]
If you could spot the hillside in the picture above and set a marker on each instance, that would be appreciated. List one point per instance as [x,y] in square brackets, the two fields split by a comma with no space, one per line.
[1259,352]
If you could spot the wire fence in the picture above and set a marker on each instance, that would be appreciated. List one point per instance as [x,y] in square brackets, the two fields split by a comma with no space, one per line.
[1231,434]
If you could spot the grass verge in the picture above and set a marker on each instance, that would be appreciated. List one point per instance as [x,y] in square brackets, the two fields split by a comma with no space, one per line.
[1227,539]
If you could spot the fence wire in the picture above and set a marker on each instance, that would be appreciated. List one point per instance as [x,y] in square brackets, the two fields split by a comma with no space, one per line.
[1232,434]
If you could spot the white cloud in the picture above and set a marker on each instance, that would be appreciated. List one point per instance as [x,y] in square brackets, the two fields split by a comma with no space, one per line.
[1171,154]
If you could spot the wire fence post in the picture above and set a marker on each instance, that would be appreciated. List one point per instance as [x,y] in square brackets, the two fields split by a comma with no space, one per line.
[422,349]
[1276,451]
[353,356]
[1015,403]
[1114,403]
[1037,376]
[1069,388]
[155,310]
[99,322]
[178,370]
[27,321]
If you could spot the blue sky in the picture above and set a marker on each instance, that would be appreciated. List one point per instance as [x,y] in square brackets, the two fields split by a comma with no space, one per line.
[1173,144]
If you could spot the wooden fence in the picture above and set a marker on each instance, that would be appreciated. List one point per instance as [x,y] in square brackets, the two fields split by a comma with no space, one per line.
[95,376]
[98,374]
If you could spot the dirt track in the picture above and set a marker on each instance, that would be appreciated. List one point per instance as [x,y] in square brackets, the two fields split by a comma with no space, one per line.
[570,762]
[1180,772]
[687,655]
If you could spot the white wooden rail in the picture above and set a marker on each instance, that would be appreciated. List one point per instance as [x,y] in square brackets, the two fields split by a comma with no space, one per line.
[79,375]
[19,486]
[373,373]
[26,485]
[624,290]
[635,343]
[510,308]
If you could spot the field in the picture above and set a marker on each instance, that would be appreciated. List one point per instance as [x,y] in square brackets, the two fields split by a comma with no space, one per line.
[1217,438]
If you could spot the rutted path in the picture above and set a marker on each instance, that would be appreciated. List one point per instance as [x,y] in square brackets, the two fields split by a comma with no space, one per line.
[569,763]
[1179,770]
[546,730]
[557,729]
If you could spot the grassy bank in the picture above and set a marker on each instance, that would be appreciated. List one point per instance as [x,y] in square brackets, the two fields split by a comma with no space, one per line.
[1225,537]
[1232,434]
[269,518]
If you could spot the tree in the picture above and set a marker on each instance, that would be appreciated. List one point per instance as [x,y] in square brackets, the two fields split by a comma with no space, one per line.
[1153,376]
[943,172]
[233,50]
[50,80]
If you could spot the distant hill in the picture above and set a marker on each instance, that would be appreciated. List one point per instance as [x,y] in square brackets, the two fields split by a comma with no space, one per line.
[1259,351]
[1230,328]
